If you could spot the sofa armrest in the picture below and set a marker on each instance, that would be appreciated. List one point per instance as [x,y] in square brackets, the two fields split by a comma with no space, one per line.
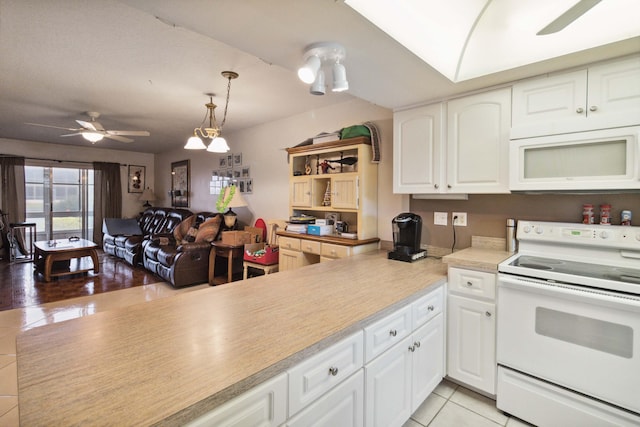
[194,246]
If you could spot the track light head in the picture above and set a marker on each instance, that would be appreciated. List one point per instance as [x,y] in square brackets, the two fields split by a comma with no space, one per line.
[340,83]
[308,72]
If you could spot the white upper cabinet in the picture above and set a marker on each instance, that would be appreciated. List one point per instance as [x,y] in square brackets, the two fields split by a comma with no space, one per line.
[599,97]
[478,143]
[417,149]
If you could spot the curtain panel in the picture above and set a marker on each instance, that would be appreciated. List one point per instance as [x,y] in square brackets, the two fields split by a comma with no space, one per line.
[107,198]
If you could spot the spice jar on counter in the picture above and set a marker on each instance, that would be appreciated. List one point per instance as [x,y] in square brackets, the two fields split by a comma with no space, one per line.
[587,214]
[605,214]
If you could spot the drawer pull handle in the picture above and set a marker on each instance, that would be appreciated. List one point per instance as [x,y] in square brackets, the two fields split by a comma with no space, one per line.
[469,283]
[416,344]
[580,110]
[593,108]
[333,371]
[412,348]
[488,314]
[431,308]
[393,332]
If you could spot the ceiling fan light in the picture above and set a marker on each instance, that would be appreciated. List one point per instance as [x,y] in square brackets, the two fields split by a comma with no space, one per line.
[317,88]
[308,72]
[92,136]
[195,143]
[218,145]
[340,83]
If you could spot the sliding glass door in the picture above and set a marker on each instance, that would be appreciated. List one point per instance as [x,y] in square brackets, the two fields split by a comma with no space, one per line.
[59,200]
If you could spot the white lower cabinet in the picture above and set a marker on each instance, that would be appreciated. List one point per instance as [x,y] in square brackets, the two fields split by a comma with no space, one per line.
[262,406]
[399,380]
[341,407]
[472,342]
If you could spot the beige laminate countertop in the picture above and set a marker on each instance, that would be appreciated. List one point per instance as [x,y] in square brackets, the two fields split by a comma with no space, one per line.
[170,360]
[480,258]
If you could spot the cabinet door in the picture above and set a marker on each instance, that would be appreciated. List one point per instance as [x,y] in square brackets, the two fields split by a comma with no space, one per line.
[471,352]
[301,192]
[614,94]
[428,360]
[549,105]
[289,260]
[417,149]
[344,194]
[388,387]
[264,406]
[478,143]
[341,407]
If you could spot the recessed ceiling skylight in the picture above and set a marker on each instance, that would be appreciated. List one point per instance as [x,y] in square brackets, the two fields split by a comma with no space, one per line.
[465,39]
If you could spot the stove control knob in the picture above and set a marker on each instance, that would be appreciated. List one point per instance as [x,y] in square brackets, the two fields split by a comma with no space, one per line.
[604,234]
[539,230]
[527,228]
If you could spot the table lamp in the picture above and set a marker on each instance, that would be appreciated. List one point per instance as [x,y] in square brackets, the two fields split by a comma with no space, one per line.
[147,195]
[237,201]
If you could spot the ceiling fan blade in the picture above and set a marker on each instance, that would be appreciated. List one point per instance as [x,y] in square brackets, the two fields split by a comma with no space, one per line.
[118,138]
[87,125]
[49,126]
[72,134]
[576,11]
[128,132]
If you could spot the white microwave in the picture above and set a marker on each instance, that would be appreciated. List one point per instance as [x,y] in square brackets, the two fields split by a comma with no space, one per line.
[583,161]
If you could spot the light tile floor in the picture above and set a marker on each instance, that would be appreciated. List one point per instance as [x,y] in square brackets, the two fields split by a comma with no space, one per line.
[449,405]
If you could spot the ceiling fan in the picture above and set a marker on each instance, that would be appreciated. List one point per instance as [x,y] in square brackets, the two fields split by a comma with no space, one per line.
[93,131]
[573,13]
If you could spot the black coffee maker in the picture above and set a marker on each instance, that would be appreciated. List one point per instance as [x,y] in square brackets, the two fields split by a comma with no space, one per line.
[407,230]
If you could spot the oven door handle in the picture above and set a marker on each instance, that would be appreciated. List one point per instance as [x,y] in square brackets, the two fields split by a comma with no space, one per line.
[570,292]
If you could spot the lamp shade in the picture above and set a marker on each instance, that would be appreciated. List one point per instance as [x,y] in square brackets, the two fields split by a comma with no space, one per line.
[237,201]
[218,145]
[147,195]
[195,143]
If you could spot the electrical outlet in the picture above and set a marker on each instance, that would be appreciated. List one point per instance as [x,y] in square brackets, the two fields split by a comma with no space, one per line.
[440,218]
[460,219]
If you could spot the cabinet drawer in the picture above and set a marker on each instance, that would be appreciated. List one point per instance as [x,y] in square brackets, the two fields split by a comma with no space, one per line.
[386,332]
[334,251]
[264,405]
[428,307]
[310,246]
[470,282]
[316,375]
[289,243]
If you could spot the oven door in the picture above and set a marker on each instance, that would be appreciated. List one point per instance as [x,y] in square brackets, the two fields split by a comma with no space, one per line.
[583,339]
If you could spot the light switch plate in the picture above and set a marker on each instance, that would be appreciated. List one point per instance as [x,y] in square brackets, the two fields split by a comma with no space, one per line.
[440,218]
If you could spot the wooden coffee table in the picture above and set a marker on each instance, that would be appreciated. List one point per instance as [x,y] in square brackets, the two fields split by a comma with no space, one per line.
[48,252]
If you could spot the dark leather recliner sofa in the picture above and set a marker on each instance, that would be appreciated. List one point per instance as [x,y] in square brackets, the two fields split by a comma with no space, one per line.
[154,222]
[182,259]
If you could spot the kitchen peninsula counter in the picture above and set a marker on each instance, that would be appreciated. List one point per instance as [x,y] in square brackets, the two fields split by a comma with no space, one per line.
[167,361]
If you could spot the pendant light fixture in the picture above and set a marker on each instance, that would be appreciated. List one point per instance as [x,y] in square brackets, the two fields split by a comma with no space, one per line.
[218,144]
[311,72]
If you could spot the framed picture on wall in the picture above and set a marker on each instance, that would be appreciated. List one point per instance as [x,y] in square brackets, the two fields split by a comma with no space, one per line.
[180,184]
[136,179]
[237,159]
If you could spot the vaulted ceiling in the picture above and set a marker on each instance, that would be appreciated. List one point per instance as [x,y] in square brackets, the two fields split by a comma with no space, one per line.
[147,64]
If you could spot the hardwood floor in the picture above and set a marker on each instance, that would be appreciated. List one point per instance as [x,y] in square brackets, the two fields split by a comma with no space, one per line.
[21,286]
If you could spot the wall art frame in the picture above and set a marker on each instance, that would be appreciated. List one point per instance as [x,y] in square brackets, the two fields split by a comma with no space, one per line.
[180,172]
[136,179]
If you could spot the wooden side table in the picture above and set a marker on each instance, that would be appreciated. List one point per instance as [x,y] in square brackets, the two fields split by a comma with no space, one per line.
[230,252]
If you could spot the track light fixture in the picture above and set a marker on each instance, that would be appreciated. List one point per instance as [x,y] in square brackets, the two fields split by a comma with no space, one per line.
[317,55]
[218,144]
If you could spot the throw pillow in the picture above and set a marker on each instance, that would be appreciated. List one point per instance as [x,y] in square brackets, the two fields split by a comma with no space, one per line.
[208,230]
[181,230]
[190,237]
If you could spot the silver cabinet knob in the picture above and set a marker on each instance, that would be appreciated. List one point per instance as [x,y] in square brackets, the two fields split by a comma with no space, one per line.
[333,371]
[416,344]
[487,314]
[593,108]
[469,283]
[431,308]
[448,185]
[436,186]
[393,332]
[580,110]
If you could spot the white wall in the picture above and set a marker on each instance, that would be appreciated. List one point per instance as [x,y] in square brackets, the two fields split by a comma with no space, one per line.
[263,150]
[131,205]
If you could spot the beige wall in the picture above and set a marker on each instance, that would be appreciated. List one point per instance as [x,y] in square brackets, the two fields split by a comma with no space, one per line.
[487,214]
